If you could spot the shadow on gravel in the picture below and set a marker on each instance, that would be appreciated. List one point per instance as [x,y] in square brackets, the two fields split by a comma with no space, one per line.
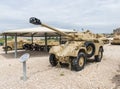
[90,62]
[116,79]
[66,65]
[11,54]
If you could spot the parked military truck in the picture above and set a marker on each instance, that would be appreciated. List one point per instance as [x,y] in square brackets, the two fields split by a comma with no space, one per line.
[103,38]
[116,40]
[75,51]
[10,44]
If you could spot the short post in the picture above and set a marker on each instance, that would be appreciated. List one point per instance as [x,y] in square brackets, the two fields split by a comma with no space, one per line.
[24,71]
[23,60]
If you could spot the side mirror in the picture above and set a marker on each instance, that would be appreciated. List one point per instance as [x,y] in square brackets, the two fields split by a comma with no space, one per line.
[35,21]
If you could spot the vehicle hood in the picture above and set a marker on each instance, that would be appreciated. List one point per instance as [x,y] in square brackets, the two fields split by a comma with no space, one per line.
[65,50]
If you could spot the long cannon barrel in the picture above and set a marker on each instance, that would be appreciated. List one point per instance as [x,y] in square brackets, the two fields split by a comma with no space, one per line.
[36,21]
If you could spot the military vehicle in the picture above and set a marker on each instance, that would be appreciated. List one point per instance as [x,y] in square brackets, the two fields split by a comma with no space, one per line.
[116,40]
[75,51]
[39,45]
[103,38]
[10,44]
[28,46]
[33,46]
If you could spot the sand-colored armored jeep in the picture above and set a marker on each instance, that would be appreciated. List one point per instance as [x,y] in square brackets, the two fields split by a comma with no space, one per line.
[76,50]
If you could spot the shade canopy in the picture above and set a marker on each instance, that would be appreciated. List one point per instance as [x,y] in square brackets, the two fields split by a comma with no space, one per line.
[36,32]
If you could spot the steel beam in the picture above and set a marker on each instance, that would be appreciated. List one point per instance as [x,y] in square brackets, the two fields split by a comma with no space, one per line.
[5,43]
[15,45]
[46,42]
[60,39]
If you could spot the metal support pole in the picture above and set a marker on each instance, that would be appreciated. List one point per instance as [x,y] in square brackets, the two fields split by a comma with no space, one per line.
[60,40]
[32,39]
[5,43]
[15,47]
[24,71]
[46,42]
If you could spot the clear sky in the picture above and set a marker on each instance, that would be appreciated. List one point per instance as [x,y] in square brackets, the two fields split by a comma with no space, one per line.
[97,15]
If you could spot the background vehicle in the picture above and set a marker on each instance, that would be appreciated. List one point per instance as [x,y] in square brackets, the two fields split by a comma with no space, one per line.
[20,43]
[39,45]
[116,40]
[103,38]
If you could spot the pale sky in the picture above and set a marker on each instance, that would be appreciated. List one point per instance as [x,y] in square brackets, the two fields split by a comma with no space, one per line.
[100,16]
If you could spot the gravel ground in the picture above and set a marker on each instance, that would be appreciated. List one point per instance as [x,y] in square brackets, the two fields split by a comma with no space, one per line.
[102,75]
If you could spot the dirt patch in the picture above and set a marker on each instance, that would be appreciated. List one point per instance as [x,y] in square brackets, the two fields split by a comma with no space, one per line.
[116,79]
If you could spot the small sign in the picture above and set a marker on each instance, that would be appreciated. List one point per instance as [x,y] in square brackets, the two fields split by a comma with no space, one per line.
[23,60]
[24,57]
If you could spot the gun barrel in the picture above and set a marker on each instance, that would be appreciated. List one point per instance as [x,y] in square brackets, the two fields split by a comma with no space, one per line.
[54,29]
[36,21]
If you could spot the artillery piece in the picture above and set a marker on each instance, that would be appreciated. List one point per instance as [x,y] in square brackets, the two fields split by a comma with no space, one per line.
[75,51]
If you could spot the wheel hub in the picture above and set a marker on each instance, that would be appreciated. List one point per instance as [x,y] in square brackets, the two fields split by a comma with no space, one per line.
[81,61]
[89,50]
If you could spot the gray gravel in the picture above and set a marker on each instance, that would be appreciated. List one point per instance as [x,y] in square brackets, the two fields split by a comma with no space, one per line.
[102,75]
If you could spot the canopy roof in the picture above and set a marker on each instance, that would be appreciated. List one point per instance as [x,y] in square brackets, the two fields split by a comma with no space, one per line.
[37,32]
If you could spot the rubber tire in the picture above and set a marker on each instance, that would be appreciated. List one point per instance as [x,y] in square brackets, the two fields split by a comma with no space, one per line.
[52,60]
[75,62]
[97,58]
[36,47]
[87,44]
[9,48]
[31,47]
[26,46]
[41,48]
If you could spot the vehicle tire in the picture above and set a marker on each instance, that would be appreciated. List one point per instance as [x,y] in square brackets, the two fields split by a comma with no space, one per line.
[31,47]
[36,47]
[48,49]
[99,56]
[90,49]
[41,48]
[26,46]
[52,60]
[9,48]
[78,63]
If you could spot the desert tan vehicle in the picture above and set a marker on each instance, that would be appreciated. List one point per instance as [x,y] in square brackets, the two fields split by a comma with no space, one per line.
[53,42]
[116,40]
[39,45]
[75,51]
[86,34]
[103,38]
[10,44]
